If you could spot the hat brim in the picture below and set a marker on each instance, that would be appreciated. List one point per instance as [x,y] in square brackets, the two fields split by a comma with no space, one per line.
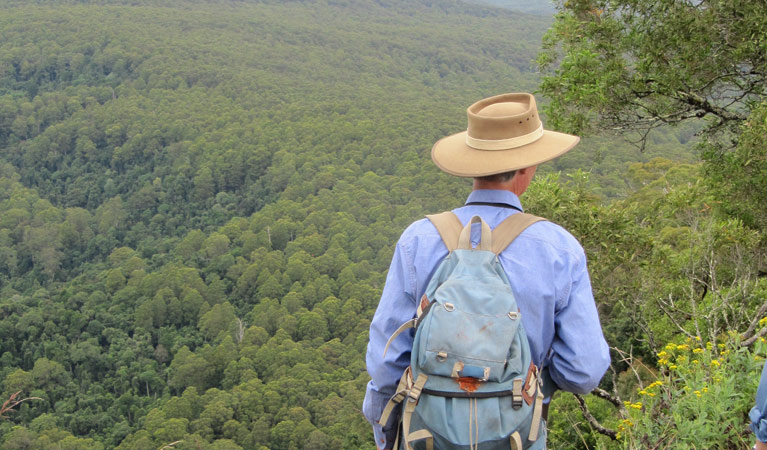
[454,156]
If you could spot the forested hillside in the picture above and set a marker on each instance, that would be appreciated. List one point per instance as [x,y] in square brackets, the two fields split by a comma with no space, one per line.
[199,202]
[542,7]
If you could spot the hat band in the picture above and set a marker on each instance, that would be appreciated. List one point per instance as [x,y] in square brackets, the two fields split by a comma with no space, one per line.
[504,144]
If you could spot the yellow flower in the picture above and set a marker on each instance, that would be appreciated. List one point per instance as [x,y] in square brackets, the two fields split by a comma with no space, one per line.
[715,363]
[720,345]
[637,405]
[670,346]
[698,351]
[709,345]
[763,321]
[642,392]
[682,347]
[697,393]
[697,338]
[705,389]
[673,367]
[695,361]
[662,362]
[662,354]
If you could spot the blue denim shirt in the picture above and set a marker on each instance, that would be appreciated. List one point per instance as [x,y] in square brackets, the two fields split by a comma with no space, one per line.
[547,269]
[758,414]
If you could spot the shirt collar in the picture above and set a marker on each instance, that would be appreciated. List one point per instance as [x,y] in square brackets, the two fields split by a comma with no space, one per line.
[495,196]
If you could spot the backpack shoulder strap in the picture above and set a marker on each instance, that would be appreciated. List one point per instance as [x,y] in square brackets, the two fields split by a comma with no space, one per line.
[508,230]
[449,227]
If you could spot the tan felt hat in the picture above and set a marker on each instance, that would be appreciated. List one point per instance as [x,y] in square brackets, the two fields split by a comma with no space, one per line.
[505,133]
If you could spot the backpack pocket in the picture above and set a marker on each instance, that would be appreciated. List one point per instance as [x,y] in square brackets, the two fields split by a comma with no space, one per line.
[461,344]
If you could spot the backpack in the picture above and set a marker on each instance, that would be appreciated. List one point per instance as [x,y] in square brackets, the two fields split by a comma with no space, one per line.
[471,383]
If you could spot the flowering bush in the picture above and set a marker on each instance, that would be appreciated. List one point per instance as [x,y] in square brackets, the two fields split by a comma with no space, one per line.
[700,399]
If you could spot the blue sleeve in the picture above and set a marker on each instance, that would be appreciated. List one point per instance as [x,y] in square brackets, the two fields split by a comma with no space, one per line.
[579,353]
[396,307]
[758,414]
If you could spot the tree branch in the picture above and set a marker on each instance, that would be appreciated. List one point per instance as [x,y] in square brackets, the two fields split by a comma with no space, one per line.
[704,105]
[12,402]
[601,393]
[612,434]
[752,339]
[673,320]
[754,322]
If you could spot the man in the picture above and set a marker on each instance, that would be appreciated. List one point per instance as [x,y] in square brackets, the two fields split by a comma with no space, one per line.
[501,149]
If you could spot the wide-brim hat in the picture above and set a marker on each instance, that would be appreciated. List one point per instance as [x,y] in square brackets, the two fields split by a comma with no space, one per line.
[505,133]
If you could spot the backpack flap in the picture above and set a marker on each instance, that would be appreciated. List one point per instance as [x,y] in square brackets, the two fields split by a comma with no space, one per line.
[463,342]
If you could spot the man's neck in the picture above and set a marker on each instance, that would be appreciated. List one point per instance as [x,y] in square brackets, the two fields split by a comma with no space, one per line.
[494,185]
[518,184]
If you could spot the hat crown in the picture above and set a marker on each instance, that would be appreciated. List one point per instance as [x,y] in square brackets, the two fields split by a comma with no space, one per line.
[503,117]
[503,109]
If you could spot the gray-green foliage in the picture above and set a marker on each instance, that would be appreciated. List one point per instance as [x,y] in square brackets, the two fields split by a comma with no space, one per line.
[633,66]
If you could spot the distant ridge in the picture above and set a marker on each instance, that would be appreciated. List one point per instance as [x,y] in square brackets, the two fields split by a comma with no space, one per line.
[540,7]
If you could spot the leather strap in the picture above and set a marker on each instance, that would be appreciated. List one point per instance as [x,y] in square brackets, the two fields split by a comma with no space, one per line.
[485,240]
[449,227]
[405,326]
[407,414]
[508,230]
[396,399]
[516,441]
[537,413]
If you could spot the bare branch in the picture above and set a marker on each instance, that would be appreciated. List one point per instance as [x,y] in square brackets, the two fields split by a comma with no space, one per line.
[672,319]
[12,402]
[240,330]
[705,106]
[754,322]
[748,342]
[601,393]
[628,358]
[612,434]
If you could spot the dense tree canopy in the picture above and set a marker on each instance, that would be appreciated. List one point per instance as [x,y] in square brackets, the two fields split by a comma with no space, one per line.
[199,202]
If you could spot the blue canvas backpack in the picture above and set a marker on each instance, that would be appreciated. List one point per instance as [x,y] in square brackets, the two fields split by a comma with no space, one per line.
[471,383]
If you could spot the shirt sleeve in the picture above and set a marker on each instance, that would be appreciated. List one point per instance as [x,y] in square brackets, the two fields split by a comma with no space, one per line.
[758,414]
[396,307]
[580,355]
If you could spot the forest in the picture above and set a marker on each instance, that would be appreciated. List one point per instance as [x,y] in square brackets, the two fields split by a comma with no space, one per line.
[199,201]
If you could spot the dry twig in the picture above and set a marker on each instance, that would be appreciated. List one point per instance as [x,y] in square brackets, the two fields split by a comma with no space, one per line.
[12,402]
